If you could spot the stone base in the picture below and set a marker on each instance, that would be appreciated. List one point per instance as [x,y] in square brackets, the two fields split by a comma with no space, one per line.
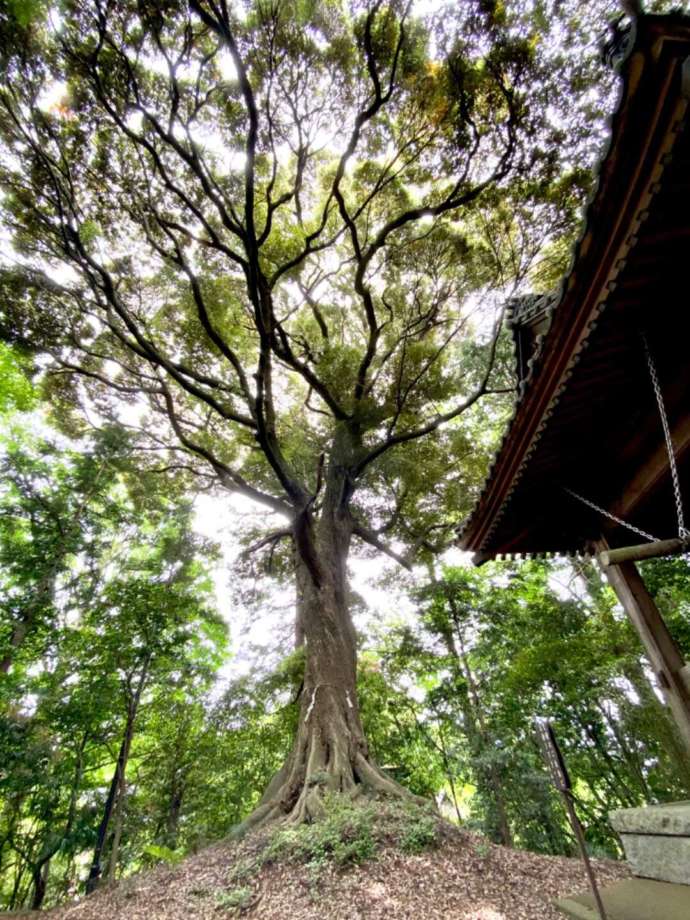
[656,840]
[632,899]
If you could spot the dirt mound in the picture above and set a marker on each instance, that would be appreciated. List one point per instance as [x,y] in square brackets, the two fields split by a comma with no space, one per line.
[466,878]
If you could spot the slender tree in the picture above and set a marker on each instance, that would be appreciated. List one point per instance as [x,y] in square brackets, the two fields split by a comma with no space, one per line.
[258,226]
[129,623]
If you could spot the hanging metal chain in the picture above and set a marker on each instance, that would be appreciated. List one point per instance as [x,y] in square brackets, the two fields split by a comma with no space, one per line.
[611,517]
[682,532]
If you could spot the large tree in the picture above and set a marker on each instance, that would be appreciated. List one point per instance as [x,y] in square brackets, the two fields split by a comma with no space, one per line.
[259,228]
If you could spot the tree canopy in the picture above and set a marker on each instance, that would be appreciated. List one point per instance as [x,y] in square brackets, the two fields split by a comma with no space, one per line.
[263,250]
[269,226]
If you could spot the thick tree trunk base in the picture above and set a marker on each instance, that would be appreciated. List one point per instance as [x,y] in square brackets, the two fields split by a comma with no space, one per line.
[329,755]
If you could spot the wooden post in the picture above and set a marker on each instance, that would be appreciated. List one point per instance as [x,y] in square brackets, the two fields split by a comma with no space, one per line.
[663,653]
[561,780]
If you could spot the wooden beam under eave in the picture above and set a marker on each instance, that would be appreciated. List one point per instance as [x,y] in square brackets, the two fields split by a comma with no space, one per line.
[650,475]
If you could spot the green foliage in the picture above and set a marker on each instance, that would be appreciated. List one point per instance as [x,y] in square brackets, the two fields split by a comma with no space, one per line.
[367,227]
[107,617]
[344,835]
[396,733]
[246,734]
[245,868]
[254,314]
[512,644]
[26,12]
[352,831]
[419,830]
[16,392]
[161,854]
[482,848]
[238,898]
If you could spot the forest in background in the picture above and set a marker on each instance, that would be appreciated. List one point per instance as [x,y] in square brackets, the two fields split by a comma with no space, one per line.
[122,745]
[315,327]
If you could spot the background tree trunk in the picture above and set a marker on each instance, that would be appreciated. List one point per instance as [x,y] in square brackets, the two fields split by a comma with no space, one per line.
[117,832]
[41,870]
[102,833]
[479,737]
[117,783]
[40,882]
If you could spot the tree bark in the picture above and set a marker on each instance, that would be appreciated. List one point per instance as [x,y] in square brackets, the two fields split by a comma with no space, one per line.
[173,817]
[118,812]
[330,751]
[102,833]
[39,877]
[449,771]
[117,784]
[167,828]
[14,897]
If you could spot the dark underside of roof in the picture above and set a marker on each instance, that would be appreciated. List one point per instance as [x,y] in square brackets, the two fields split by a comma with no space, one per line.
[600,435]
[606,431]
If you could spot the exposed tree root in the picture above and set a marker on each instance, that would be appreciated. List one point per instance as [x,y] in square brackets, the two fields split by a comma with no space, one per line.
[329,755]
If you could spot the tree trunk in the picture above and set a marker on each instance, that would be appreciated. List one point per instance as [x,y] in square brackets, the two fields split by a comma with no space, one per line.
[14,897]
[493,779]
[481,739]
[117,783]
[41,870]
[40,883]
[173,817]
[330,751]
[176,786]
[448,770]
[102,833]
[117,833]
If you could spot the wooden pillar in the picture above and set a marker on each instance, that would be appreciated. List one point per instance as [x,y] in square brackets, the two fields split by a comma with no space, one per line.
[663,653]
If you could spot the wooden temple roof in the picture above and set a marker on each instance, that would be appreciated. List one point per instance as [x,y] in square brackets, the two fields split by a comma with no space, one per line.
[585,417]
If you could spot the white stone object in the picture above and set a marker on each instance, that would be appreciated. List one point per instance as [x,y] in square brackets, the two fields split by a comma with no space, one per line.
[656,840]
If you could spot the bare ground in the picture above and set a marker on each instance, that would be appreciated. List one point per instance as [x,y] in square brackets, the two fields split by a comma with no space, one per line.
[466,878]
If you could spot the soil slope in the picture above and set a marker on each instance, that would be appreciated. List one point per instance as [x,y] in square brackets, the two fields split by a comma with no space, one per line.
[466,878]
